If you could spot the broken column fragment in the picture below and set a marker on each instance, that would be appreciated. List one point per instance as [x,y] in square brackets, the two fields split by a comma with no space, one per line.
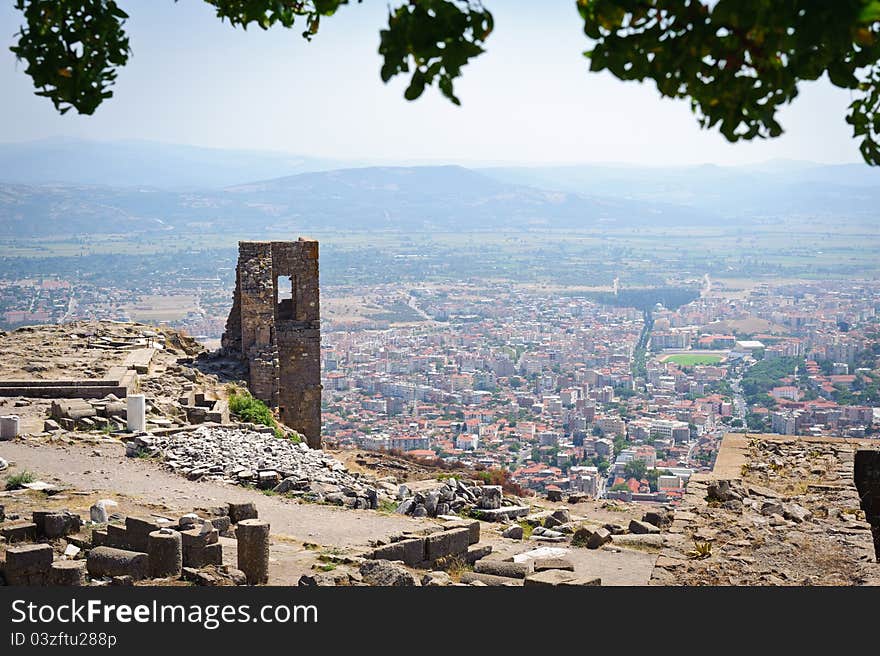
[165,549]
[110,562]
[68,572]
[253,550]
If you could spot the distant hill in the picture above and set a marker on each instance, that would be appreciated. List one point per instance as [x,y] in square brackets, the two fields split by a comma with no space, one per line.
[70,187]
[143,164]
[771,189]
[438,197]
[403,198]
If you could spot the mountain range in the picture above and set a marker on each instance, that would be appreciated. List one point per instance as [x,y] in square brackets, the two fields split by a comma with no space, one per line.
[80,187]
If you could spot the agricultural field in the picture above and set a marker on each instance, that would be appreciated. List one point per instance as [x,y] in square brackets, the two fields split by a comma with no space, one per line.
[157,308]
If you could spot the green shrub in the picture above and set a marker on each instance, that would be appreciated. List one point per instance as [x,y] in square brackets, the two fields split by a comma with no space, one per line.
[527,529]
[22,478]
[251,409]
[387,506]
[254,411]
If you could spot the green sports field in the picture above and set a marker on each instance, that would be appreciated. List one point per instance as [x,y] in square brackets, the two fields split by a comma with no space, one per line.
[688,360]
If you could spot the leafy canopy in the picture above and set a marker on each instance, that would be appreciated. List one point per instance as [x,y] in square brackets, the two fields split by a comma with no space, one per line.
[737,61]
[636,469]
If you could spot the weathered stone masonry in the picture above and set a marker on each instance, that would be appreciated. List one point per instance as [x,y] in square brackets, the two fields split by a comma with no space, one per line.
[279,334]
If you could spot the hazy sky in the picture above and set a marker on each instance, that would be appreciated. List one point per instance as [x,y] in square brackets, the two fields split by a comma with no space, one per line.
[529,98]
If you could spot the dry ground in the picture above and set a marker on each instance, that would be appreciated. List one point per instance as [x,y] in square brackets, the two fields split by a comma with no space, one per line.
[301,532]
[142,487]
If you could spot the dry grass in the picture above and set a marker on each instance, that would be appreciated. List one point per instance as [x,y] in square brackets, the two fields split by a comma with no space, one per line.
[455,567]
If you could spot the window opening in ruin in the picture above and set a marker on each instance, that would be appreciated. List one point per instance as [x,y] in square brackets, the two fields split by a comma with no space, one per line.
[286,307]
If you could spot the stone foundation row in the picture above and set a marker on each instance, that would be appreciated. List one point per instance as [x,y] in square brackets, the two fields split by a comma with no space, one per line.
[142,548]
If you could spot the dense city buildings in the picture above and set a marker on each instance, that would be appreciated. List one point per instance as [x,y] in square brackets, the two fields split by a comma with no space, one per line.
[544,386]
[563,390]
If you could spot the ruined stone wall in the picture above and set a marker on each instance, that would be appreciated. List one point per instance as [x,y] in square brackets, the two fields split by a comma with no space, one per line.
[777,510]
[867,477]
[280,338]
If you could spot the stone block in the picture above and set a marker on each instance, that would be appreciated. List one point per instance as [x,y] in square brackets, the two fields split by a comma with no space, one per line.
[489,579]
[548,578]
[138,530]
[490,498]
[599,537]
[561,515]
[513,532]
[659,518]
[72,409]
[504,513]
[448,543]
[473,528]
[642,528]
[28,564]
[252,536]
[166,553]
[82,540]
[197,538]
[100,538]
[54,524]
[241,511]
[19,532]
[100,510]
[385,573]
[222,524]
[476,552]
[584,580]
[117,537]
[196,556]
[544,564]
[411,552]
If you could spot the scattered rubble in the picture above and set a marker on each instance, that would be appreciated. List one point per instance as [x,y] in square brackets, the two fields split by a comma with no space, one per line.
[454,497]
[255,457]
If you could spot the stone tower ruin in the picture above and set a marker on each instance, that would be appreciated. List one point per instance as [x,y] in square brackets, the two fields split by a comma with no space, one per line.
[274,326]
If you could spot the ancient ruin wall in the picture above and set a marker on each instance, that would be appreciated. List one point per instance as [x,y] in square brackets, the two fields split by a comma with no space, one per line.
[867,477]
[278,335]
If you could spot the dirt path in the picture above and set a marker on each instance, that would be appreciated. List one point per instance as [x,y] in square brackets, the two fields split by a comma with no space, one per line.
[105,469]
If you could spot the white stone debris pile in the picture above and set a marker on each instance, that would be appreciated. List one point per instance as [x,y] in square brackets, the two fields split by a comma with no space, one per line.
[454,496]
[254,457]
